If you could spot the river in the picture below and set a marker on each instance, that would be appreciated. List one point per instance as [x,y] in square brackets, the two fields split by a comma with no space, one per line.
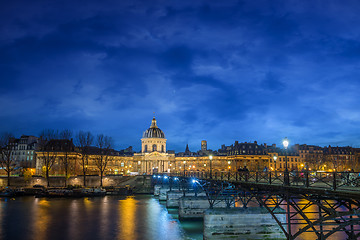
[110,217]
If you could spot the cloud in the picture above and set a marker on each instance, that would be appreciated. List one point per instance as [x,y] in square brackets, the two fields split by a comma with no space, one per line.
[221,71]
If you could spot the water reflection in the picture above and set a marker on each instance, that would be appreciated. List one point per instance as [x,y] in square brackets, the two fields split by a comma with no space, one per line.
[127,212]
[2,206]
[73,213]
[41,218]
[139,217]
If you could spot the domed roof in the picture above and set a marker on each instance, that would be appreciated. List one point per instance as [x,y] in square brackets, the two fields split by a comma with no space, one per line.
[153,131]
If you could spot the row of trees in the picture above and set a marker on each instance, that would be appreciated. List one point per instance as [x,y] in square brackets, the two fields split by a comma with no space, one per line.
[56,145]
[320,161]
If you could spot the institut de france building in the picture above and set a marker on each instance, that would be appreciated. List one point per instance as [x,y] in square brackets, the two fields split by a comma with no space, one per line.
[155,158]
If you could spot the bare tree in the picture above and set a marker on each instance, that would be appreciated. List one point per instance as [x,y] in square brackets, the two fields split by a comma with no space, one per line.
[84,141]
[104,145]
[48,150]
[7,150]
[66,148]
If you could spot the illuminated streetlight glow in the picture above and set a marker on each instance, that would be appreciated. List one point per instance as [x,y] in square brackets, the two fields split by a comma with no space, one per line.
[285,143]
[286,173]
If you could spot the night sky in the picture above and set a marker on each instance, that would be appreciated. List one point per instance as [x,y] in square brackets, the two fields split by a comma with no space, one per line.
[210,70]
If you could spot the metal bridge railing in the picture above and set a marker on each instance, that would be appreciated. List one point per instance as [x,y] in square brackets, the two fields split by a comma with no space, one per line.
[315,179]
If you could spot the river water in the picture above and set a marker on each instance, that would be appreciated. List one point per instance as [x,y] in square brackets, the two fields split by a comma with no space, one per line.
[110,217]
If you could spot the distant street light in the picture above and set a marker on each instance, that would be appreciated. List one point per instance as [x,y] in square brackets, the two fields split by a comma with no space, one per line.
[286,173]
[275,158]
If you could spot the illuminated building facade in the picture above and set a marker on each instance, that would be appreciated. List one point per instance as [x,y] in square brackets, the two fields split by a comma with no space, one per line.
[154,158]
[24,151]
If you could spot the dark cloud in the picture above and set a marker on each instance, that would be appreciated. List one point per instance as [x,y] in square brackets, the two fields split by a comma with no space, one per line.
[221,71]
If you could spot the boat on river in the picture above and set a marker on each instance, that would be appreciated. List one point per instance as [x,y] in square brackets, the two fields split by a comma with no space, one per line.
[72,193]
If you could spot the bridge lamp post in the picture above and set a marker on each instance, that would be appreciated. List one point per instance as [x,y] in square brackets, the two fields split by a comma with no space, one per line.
[275,158]
[210,157]
[286,173]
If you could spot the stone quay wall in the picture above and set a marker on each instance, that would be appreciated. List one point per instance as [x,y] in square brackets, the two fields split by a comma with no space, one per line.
[91,181]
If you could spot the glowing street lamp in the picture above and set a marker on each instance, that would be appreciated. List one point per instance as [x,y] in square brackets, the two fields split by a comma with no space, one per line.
[275,158]
[286,173]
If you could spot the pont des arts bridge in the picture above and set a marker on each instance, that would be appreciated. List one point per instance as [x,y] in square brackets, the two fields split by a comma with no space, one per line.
[266,205]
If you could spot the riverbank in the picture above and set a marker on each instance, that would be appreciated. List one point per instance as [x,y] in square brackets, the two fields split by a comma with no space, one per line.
[112,185]
[139,181]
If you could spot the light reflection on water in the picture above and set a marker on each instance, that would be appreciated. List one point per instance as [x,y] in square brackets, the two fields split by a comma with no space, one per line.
[139,217]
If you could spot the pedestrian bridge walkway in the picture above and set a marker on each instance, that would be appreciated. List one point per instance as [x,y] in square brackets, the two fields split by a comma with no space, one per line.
[320,203]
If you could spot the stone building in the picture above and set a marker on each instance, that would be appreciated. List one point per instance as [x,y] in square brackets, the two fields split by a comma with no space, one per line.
[153,157]
[24,151]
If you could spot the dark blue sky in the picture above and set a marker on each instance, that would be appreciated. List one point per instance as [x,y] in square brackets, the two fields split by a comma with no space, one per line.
[214,70]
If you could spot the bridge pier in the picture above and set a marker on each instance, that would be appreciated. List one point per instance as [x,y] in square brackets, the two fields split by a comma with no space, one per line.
[242,223]
[157,190]
[194,207]
[163,193]
[173,197]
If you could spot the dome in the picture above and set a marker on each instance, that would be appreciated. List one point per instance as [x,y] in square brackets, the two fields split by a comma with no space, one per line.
[153,131]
